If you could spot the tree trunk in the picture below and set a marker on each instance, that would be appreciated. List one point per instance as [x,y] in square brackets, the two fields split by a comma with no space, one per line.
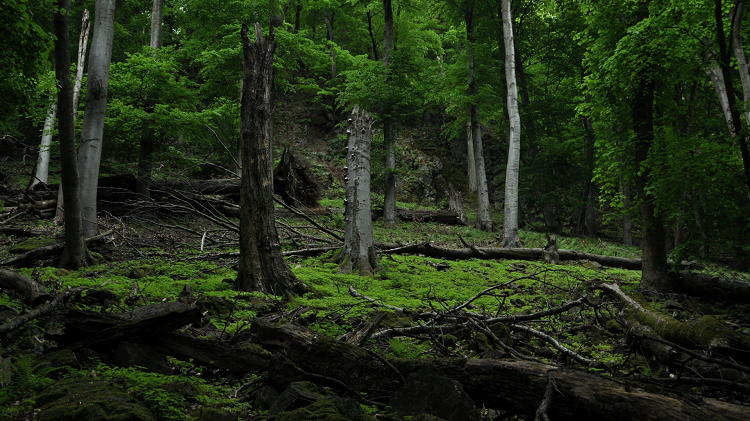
[739,53]
[261,265]
[42,164]
[82,42]
[90,150]
[654,272]
[731,110]
[484,218]
[470,165]
[372,36]
[359,252]
[510,221]
[627,222]
[332,38]
[74,255]
[389,201]
[587,216]
[145,162]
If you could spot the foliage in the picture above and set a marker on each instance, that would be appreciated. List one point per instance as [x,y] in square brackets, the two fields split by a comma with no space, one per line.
[19,379]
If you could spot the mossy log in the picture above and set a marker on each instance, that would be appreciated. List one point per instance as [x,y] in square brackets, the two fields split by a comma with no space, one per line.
[449,217]
[33,292]
[705,332]
[517,386]
[209,353]
[521,254]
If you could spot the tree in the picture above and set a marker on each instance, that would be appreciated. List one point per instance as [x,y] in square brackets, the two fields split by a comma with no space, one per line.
[484,218]
[42,163]
[389,201]
[74,255]
[90,150]
[145,163]
[359,250]
[261,265]
[510,218]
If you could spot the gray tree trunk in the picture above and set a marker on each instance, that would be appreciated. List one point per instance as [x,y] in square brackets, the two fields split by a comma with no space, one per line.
[510,221]
[359,252]
[90,150]
[331,37]
[42,164]
[145,162]
[261,265]
[739,54]
[82,42]
[484,218]
[389,201]
[471,167]
[627,220]
[74,254]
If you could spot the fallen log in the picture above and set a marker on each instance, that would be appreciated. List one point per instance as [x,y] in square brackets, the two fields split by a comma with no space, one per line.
[517,386]
[33,292]
[712,287]
[706,331]
[48,251]
[209,353]
[150,323]
[222,186]
[521,254]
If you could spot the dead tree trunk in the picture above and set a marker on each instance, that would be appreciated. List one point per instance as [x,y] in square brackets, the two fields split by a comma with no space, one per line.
[359,250]
[261,265]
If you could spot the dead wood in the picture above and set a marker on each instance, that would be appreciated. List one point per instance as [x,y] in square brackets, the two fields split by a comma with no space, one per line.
[208,352]
[19,232]
[143,323]
[550,253]
[360,337]
[49,251]
[521,254]
[706,332]
[516,386]
[33,292]
[295,182]
[40,310]
[223,186]
[712,287]
[456,205]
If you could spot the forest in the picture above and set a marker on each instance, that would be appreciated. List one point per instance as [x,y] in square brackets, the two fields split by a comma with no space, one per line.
[394,210]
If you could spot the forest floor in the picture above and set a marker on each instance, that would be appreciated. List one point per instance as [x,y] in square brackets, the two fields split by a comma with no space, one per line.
[161,254]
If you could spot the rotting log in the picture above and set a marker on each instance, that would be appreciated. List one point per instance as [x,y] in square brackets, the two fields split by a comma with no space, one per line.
[516,386]
[441,217]
[712,287]
[33,292]
[521,254]
[706,331]
[48,251]
[208,352]
[171,316]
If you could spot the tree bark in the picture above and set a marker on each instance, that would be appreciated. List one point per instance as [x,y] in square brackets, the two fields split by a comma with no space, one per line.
[627,221]
[510,221]
[484,218]
[655,268]
[90,150]
[261,265]
[372,36]
[145,162]
[332,38]
[587,216]
[33,292]
[74,255]
[470,165]
[389,201]
[359,252]
[82,42]
[42,164]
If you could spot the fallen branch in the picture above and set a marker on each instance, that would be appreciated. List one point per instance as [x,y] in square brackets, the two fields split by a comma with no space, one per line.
[40,310]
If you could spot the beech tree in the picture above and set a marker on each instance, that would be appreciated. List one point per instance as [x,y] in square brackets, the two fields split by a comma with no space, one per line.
[90,150]
[261,265]
[510,221]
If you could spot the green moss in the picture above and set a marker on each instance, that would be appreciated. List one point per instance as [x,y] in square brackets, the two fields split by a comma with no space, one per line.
[322,410]
[31,244]
[87,399]
[613,326]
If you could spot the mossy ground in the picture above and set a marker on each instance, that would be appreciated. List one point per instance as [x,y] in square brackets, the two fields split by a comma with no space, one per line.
[172,260]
